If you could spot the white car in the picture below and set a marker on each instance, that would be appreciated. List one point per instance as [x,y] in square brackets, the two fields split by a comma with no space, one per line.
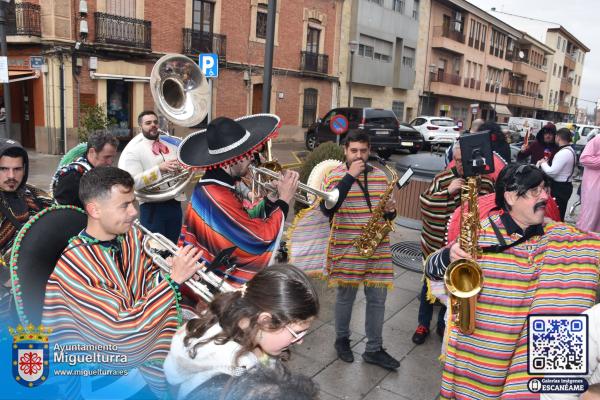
[436,129]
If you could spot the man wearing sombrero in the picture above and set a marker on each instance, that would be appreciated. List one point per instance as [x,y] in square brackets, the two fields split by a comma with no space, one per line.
[216,218]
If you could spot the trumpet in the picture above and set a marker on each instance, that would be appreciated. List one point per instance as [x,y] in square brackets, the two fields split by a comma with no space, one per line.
[330,198]
[154,243]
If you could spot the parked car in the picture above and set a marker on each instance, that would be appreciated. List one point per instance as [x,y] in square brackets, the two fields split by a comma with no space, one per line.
[511,136]
[584,133]
[386,133]
[436,129]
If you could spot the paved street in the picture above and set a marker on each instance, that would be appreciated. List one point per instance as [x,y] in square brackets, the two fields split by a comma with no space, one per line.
[419,374]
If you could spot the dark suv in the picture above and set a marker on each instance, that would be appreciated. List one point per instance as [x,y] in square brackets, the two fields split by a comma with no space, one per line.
[386,133]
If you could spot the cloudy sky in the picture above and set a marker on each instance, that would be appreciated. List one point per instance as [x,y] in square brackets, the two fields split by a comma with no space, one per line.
[580,17]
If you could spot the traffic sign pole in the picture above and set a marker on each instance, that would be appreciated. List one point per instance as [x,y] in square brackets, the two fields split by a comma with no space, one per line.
[210,91]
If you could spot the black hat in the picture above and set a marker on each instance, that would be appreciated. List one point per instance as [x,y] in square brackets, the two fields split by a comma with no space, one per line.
[225,141]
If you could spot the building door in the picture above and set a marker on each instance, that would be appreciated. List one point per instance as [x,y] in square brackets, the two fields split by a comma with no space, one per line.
[257,90]
[119,95]
[27,125]
[309,109]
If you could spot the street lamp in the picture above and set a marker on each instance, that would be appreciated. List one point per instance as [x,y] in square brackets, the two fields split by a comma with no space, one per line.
[496,99]
[353,46]
[537,94]
[4,53]
[432,70]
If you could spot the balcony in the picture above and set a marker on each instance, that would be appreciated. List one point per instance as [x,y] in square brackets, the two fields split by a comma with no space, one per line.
[446,78]
[566,85]
[563,107]
[472,84]
[570,62]
[448,39]
[23,19]
[314,62]
[123,31]
[196,42]
[533,74]
[518,97]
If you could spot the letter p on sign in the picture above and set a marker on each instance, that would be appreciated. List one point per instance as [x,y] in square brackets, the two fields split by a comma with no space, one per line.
[209,64]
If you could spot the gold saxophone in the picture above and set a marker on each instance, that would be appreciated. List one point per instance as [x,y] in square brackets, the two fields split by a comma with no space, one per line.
[378,227]
[464,277]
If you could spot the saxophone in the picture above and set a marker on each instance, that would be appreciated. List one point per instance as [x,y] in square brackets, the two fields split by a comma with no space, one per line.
[464,278]
[378,227]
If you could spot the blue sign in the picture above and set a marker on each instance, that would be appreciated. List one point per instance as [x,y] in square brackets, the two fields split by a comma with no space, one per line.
[209,64]
[36,62]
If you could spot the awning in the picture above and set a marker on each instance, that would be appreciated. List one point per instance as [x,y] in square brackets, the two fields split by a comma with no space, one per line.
[16,76]
[127,78]
[501,109]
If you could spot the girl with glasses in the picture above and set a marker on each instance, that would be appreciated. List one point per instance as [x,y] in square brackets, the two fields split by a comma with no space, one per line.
[241,329]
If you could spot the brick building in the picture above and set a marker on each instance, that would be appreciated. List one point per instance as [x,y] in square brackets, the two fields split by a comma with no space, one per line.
[102,52]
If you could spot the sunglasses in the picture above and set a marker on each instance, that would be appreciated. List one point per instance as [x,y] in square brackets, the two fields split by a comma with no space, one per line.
[297,336]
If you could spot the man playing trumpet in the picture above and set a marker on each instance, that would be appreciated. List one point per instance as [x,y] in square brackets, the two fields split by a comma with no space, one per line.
[216,218]
[105,289]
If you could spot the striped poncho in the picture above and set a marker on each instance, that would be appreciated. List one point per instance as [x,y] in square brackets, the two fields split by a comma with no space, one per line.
[437,205]
[345,265]
[100,296]
[556,273]
[216,220]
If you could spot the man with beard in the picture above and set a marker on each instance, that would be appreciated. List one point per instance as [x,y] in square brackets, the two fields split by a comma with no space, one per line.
[530,266]
[105,290]
[18,202]
[216,218]
[148,157]
[360,187]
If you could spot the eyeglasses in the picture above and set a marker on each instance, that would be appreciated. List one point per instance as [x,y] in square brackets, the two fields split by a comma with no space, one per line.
[297,336]
[537,191]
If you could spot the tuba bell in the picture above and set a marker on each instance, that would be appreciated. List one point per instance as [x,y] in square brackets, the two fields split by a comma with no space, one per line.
[181,93]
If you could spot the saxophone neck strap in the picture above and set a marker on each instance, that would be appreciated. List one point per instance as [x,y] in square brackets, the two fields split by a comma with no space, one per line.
[365,189]
[499,248]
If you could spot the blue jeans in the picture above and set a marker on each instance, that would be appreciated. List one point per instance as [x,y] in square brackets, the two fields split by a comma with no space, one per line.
[373,314]
[164,217]
[426,310]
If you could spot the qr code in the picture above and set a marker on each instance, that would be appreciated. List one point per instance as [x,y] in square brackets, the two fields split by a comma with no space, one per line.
[558,344]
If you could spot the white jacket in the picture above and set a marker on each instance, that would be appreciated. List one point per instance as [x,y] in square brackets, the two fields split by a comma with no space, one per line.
[139,160]
[211,359]
[593,375]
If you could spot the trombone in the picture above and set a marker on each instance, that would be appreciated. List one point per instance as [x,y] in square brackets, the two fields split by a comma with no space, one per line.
[330,198]
[201,286]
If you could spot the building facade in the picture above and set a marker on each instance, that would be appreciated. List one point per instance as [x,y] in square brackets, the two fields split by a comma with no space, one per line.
[384,61]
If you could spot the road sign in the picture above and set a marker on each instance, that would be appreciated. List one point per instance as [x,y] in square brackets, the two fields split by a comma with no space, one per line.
[209,64]
[3,69]
[338,124]
[36,62]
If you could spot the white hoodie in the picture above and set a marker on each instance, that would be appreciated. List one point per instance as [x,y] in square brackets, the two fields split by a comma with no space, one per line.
[211,359]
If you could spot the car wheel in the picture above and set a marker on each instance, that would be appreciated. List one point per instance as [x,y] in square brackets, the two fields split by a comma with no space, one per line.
[384,153]
[311,141]
[414,150]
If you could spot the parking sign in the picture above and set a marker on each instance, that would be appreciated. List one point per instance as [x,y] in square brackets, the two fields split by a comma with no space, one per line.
[209,64]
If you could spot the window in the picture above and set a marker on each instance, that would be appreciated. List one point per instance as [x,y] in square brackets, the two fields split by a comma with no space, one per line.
[398,5]
[415,13]
[554,70]
[261,21]
[376,49]
[398,109]
[123,8]
[363,102]
[202,15]
[309,109]
[558,43]
[564,44]
[380,2]
[312,40]
[560,72]
[408,58]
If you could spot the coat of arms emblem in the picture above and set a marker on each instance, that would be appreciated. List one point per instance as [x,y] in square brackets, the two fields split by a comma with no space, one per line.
[30,359]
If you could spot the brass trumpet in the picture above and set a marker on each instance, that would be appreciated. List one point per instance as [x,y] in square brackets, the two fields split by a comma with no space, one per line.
[330,198]
[153,243]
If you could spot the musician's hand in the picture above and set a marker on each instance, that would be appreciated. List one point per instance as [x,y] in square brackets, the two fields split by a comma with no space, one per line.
[457,253]
[390,206]
[169,166]
[357,167]
[455,185]
[287,185]
[185,263]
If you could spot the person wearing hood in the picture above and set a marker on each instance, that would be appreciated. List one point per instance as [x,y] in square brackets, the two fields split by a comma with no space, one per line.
[18,202]
[499,144]
[543,147]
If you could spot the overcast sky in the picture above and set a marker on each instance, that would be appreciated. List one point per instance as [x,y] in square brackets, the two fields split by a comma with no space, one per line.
[580,17]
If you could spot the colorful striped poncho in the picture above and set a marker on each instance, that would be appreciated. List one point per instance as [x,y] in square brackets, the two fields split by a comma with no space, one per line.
[437,205]
[345,265]
[216,220]
[556,273]
[97,296]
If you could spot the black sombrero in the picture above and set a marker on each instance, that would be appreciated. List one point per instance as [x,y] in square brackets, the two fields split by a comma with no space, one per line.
[225,141]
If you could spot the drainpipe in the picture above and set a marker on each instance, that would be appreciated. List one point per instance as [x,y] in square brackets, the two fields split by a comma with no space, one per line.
[63,129]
